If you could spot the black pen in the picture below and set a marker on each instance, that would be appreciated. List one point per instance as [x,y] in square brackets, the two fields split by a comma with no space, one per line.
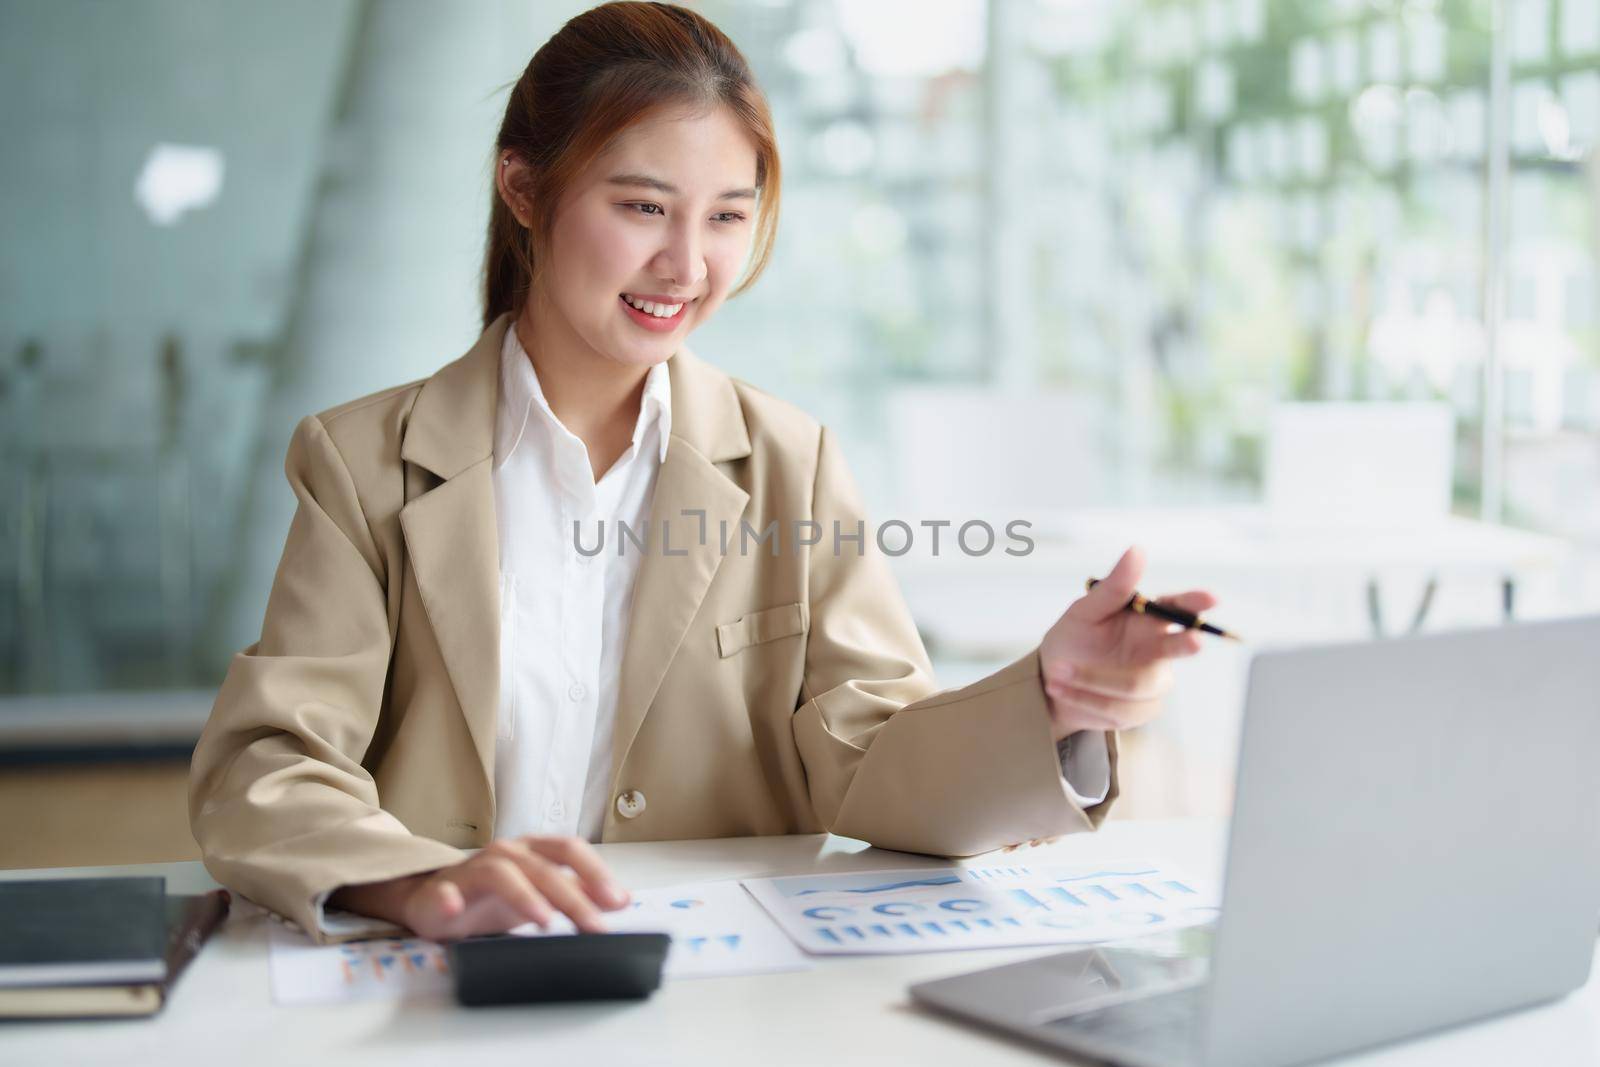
[1187,620]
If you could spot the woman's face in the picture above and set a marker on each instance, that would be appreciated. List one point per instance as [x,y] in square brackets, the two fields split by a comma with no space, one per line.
[665,216]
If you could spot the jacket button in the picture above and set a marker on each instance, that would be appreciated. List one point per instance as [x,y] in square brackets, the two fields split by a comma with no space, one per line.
[630,805]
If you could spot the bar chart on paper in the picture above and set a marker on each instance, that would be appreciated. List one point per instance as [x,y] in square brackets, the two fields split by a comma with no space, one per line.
[305,973]
[982,907]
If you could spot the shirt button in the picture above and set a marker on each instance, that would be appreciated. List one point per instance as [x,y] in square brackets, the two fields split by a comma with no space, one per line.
[576,692]
[558,811]
[630,805]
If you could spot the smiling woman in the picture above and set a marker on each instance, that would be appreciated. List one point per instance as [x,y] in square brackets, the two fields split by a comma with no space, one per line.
[441,669]
[670,260]
[607,72]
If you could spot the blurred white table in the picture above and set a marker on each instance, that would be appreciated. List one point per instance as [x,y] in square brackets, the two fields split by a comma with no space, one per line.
[993,604]
[846,1010]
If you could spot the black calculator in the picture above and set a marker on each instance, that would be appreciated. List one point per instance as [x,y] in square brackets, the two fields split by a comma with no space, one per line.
[508,969]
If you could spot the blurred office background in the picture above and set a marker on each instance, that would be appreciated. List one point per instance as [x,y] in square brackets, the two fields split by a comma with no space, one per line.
[1301,295]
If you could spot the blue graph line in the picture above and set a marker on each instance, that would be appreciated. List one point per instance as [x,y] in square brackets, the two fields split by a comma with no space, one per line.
[882,888]
[1104,874]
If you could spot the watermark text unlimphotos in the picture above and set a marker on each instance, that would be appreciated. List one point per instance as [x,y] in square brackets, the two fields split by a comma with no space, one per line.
[894,537]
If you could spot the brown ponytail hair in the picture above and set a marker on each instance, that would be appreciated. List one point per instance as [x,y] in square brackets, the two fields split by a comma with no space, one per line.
[602,72]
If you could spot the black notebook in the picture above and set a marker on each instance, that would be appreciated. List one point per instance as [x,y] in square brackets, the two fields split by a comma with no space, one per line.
[80,931]
[186,923]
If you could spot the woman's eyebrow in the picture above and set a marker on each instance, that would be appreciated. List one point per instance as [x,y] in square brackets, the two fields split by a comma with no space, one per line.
[672,190]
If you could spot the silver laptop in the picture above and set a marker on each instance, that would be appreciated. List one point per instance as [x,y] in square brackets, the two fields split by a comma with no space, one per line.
[1415,843]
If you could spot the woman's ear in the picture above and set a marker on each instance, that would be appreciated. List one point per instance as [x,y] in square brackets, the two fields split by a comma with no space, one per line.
[511,180]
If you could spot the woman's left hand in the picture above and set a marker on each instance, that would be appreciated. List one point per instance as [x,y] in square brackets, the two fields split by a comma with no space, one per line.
[1105,668]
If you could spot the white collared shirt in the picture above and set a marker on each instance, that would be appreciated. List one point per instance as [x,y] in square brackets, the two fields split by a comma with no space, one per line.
[563,614]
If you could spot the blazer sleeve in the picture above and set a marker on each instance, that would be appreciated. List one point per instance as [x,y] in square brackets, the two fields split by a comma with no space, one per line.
[887,759]
[279,801]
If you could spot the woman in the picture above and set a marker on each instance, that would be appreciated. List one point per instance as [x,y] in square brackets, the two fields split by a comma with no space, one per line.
[446,665]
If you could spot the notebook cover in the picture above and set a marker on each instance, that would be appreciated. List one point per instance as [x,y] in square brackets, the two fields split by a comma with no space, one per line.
[82,930]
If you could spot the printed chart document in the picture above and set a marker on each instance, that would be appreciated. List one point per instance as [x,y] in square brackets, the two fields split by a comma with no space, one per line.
[306,973]
[940,909]
[716,930]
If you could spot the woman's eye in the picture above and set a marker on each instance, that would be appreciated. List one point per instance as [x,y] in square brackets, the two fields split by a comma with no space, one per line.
[729,216]
[652,208]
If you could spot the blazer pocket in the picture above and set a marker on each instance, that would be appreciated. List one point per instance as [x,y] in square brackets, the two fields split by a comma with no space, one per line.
[786,620]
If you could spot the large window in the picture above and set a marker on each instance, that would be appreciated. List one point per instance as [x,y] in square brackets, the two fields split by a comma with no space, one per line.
[1179,213]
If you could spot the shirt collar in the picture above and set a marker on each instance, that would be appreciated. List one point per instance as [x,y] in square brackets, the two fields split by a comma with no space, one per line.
[521,395]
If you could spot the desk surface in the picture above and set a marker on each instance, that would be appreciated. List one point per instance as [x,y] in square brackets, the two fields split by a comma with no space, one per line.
[845,1010]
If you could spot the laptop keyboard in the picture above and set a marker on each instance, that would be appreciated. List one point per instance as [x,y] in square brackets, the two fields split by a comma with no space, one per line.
[1164,1025]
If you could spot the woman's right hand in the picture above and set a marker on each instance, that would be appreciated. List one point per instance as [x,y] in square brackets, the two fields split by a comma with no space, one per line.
[509,882]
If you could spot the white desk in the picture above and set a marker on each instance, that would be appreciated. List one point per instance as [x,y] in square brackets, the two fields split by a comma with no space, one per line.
[848,1010]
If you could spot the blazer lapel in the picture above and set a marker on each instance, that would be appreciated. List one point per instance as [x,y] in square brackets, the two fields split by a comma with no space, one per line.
[707,428]
[450,529]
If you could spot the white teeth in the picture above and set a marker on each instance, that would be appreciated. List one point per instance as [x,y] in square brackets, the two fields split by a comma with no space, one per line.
[660,311]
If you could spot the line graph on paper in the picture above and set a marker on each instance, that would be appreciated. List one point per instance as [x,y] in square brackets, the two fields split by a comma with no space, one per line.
[982,907]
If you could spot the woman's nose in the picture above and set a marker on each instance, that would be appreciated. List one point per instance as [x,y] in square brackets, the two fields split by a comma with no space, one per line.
[682,260]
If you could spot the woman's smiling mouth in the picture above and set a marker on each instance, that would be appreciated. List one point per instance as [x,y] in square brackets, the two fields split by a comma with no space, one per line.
[660,317]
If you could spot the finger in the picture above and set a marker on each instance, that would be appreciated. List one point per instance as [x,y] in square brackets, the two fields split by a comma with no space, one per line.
[578,854]
[562,888]
[1148,643]
[460,906]
[1112,593]
[448,901]
[501,878]
[1179,645]
[1194,601]
[434,907]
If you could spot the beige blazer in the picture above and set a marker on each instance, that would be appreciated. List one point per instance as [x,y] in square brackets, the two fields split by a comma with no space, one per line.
[760,693]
